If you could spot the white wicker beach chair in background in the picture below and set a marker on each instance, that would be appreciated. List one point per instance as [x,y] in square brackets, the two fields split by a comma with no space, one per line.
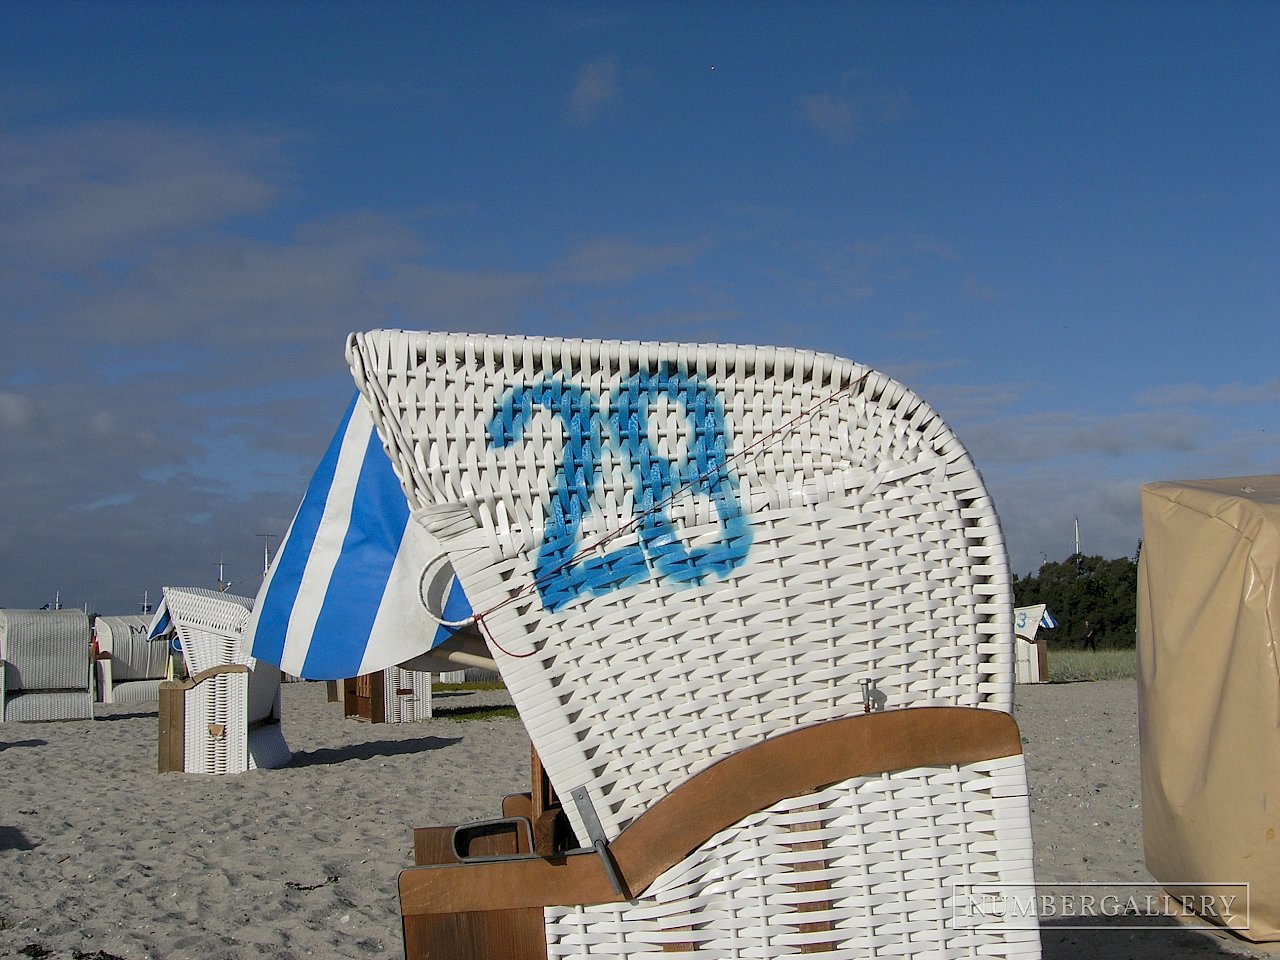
[1031,656]
[754,609]
[48,669]
[130,665]
[408,695]
[393,695]
[230,704]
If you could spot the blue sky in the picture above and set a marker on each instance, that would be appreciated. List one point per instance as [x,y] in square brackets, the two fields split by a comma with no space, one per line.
[1058,223]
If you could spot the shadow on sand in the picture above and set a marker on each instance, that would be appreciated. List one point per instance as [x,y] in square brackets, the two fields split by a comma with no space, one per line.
[366,751]
[1156,938]
[138,715]
[11,838]
[23,743]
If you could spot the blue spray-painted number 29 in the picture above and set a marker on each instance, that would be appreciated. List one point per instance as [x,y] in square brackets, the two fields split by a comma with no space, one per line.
[701,471]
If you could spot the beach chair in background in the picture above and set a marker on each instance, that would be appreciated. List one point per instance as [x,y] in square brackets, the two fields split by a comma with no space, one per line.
[225,717]
[393,695]
[754,609]
[1032,653]
[48,667]
[130,665]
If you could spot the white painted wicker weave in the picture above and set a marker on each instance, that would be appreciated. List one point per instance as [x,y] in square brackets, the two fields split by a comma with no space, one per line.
[677,551]
[408,695]
[232,719]
[47,671]
[133,665]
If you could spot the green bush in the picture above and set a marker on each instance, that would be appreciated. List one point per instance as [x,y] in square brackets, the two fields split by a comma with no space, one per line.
[1080,588]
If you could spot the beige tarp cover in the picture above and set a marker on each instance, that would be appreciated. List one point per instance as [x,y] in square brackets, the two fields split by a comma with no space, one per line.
[1209,689]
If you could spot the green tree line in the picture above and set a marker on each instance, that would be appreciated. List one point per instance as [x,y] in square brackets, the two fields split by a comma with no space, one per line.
[1084,588]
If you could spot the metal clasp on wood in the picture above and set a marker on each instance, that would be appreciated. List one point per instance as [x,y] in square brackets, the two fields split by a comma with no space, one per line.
[595,833]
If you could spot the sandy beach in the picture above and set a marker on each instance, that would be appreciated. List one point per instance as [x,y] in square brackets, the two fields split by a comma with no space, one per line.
[103,858]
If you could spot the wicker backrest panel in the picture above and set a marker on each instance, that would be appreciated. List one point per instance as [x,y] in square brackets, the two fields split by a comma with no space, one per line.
[45,649]
[875,866]
[210,626]
[677,550]
[133,656]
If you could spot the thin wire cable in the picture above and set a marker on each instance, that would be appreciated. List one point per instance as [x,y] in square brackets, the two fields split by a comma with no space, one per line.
[751,449]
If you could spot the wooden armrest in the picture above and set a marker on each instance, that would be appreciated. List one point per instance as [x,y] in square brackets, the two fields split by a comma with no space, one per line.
[505,884]
[204,675]
[788,765]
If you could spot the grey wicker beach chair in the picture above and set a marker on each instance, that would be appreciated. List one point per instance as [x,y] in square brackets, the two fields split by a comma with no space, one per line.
[48,671]
[130,666]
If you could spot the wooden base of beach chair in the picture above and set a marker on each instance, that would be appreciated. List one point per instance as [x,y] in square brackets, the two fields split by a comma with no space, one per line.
[394,695]
[365,698]
[173,725]
[172,709]
[476,902]
[263,745]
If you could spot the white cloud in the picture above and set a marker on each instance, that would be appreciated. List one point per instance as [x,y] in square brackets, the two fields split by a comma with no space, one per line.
[596,85]
[1054,435]
[862,103]
[102,425]
[978,291]
[1197,394]
[70,196]
[831,116]
[852,272]
[612,260]
[16,412]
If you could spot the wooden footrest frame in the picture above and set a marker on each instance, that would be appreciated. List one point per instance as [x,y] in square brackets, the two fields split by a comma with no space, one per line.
[493,907]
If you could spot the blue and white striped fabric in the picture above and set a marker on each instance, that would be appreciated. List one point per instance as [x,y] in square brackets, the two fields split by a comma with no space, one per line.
[162,626]
[1047,621]
[342,597]
[161,622]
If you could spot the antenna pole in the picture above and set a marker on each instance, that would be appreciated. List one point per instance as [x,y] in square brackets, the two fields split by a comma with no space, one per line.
[266,551]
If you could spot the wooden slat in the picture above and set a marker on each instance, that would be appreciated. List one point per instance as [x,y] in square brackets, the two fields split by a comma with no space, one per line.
[365,697]
[789,765]
[494,935]
[518,805]
[433,845]
[172,738]
[812,904]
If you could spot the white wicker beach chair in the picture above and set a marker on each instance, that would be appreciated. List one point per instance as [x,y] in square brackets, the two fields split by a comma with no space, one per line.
[48,668]
[393,695]
[1031,655]
[754,608]
[130,665]
[225,718]
[408,695]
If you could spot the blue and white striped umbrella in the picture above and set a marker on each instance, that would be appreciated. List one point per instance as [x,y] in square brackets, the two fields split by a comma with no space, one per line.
[343,596]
